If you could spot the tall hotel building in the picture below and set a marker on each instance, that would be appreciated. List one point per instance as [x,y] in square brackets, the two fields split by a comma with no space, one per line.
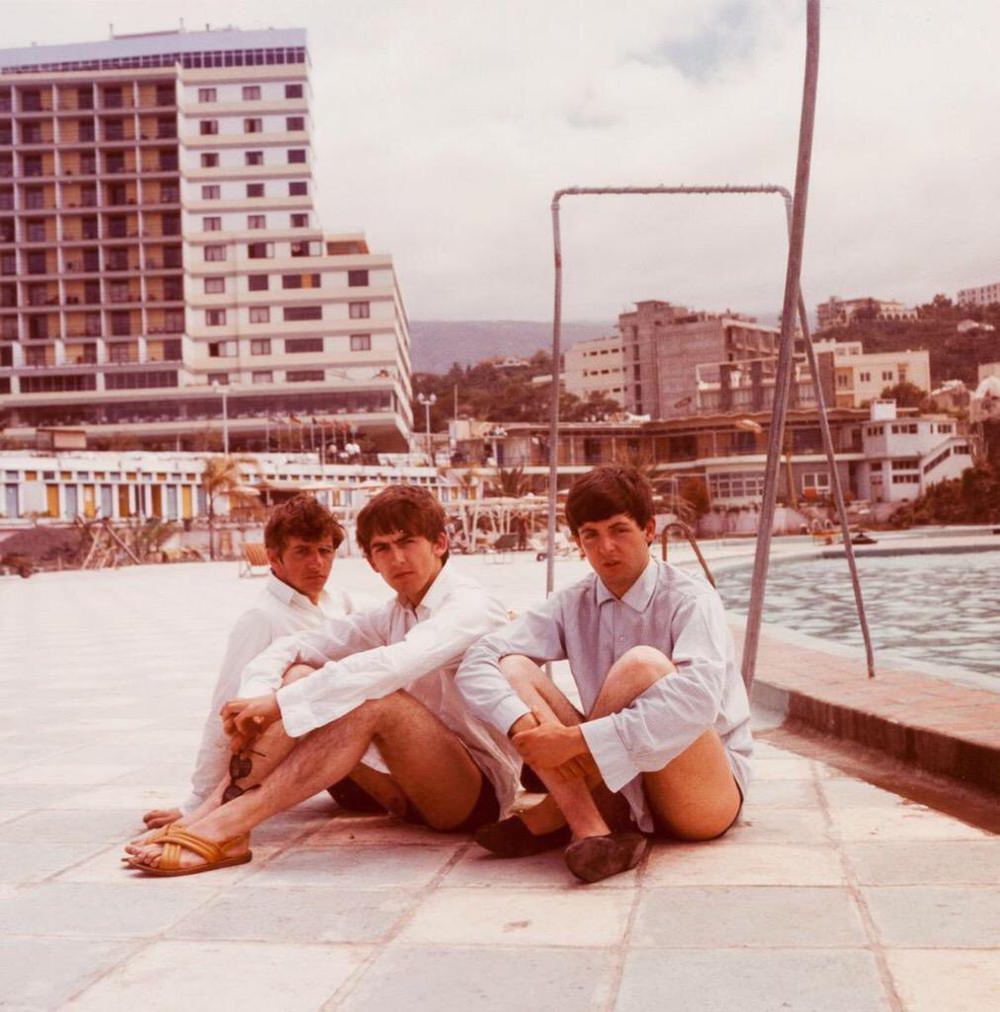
[161,259]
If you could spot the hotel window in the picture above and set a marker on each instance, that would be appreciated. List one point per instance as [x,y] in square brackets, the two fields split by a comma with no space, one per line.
[293,313]
[215,285]
[255,189]
[260,314]
[301,345]
[258,282]
[295,122]
[254,157]
[887,375]
[299,221]
[865,377]
[222,378]
[305,376]
[215,317]
[361,342]
[222,349]
[357,279]
[210,160]
[207,95]
[253,125]
[211,224]
[296,156]
[251,92]
[215,253]
[359,310]
[212,192]
[262,376]
[298,189]
[260,346]
[260,250]
[293,91]
[208,127]
[256,221]
[300,281]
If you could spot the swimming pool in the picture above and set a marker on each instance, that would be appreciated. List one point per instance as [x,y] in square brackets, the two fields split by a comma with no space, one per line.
[935,609]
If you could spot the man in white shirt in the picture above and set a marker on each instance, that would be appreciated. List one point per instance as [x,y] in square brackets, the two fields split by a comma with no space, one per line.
[301,537]
[383,677]
[664,742]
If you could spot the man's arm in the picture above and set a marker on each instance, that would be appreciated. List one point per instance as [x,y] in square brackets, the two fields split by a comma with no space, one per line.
[537,634]
[343,685]
[665,719]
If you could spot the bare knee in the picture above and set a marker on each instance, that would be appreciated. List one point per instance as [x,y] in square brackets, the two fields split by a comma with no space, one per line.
[295,672]
[641,664]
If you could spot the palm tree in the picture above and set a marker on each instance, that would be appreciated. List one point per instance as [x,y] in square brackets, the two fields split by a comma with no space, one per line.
[223,475]
[512,482]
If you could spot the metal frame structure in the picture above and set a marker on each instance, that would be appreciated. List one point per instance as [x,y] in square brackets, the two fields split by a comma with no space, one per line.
[795,207]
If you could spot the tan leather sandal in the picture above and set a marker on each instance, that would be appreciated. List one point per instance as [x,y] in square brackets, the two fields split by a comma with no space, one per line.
[175,841]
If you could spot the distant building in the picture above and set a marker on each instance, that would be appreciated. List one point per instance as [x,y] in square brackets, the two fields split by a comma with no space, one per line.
[861,377]
[663,345]
[984,295]
[903,457]
[952,395]
[841,312]
[595,367]
[970,326]
[162,264]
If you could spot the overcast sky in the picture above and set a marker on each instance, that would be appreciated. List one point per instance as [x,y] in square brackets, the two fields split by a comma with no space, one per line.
[443,128]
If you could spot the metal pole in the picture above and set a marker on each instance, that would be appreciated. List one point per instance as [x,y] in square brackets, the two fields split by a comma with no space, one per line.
[225,422]
[783,375]
[550,553]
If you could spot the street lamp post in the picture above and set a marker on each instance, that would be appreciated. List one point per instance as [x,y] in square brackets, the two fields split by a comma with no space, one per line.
[223,390]
[427,400]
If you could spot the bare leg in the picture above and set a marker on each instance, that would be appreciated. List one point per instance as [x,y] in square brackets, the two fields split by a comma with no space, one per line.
[428,761]
[694,796]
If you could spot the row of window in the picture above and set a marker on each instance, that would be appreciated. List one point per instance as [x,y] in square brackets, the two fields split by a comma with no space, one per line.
[212,58]
[251,125]
[296,188]
[736,485]
[290,314]
[293,346]
[216,283]
[250,93]
[254,221]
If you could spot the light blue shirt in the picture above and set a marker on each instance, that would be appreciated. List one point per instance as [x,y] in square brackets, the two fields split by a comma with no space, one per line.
[678,613]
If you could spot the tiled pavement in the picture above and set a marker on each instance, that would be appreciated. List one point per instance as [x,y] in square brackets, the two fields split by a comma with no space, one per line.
[830,894]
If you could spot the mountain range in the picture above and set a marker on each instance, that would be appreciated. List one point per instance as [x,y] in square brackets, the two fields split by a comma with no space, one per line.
[436,344]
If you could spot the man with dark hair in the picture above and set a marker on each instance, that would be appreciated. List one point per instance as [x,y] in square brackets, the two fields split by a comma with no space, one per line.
[301,537]
[663,744]
[316,702]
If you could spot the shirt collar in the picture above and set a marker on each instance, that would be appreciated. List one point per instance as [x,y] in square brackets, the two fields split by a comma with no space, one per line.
[287,594]
[638,596]
[435,595]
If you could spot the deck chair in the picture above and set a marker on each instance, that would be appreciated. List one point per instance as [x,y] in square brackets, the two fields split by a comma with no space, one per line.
[254,561]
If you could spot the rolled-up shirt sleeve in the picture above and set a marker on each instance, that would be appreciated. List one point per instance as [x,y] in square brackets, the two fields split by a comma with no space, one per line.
[673,712]
[538,635]
[344,684]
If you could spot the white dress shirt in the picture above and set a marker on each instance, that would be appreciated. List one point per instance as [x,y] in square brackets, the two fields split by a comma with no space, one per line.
[279,610]
[667,608]
[371,654]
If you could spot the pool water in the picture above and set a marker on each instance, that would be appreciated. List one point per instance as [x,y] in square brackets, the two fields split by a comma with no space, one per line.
[936,609]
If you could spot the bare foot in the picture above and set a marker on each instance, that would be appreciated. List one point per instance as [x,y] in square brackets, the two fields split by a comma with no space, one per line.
[156,818]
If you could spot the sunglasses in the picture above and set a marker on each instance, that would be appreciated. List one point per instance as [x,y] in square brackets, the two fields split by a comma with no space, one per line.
[240,765]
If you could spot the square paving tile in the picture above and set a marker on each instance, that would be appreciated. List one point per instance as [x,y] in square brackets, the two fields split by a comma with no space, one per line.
[136,799]
[311,914]
[725,980]
[43,973]
[426,979]
[241,975]
[779,825]
[843,792]
[22,862]
[926,862]
[355,867]
[903,822]
[375,830]
[96,910]
[785,768]
[63,826]
[478,868]
[61,774]
[954,980]
[577,917]
[724,863]
[783,794]
[935,916]
[767,916]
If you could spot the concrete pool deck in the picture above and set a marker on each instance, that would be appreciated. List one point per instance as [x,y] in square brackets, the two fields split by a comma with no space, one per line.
[830,893]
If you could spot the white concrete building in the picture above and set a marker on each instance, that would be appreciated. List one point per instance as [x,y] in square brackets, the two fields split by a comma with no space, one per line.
[860,377]
[905,456]
[840,312]
[595,367]
[159,245]
[982,295]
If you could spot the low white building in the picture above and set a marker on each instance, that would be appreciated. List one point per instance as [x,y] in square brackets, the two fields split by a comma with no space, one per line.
[903,457]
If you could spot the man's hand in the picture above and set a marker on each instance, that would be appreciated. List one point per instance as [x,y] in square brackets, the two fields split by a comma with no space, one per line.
[553,747]
[245,720]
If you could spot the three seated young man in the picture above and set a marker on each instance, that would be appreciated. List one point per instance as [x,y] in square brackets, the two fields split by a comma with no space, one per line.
[452,696]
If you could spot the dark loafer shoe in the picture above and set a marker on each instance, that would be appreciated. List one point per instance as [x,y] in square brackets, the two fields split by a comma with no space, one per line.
[511,838]
[598,857]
